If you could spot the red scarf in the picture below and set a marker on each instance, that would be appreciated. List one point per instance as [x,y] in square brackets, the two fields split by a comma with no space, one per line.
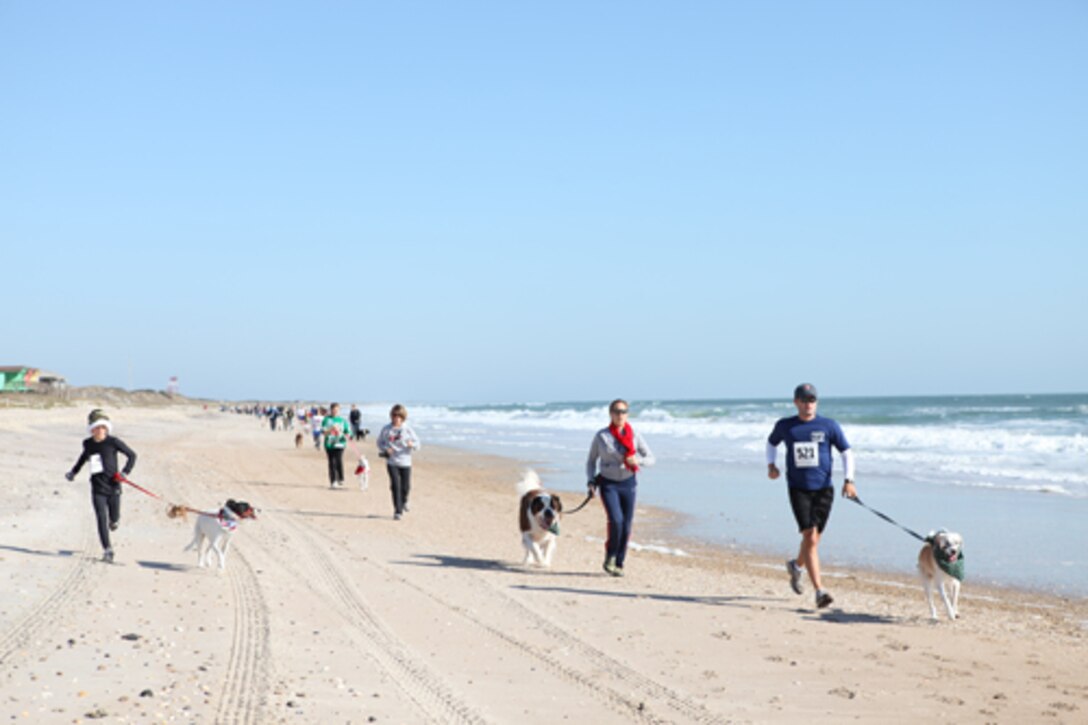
[625,438]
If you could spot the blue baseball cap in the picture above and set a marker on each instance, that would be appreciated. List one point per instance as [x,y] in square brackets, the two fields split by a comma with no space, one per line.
[805,391]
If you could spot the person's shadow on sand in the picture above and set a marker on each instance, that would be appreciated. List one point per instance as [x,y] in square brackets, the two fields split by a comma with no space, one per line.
[39,552]
[459,562]
[164,566]
[326,514]
[462,562]
[716,601]
[837,616]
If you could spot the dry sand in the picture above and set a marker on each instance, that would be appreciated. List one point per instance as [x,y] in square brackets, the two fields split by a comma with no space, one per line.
[331,612]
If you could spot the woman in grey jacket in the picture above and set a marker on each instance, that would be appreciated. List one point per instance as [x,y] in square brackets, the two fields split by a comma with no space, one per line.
[615,456]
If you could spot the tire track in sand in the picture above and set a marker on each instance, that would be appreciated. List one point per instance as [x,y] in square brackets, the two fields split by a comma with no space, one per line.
[427,691]
[245,685]
[244,691]
[638,688]
[44,614]
[632,694]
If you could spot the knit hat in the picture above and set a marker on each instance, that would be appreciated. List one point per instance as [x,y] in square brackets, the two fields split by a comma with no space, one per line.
[98,417]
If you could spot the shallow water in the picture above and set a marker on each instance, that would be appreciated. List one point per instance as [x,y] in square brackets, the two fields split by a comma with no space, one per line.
[1007,472]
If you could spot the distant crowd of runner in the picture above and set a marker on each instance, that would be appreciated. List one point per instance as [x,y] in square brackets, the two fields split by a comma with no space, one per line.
[307,417]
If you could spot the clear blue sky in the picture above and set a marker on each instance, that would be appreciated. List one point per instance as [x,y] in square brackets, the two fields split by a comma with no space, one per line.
[484,201]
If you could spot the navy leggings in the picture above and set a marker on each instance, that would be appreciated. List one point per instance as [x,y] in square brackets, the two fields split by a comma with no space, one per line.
[618,498]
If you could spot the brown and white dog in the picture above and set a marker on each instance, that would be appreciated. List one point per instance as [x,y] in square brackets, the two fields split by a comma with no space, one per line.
[217,531]
[940,559]
[298,440]
[539,515]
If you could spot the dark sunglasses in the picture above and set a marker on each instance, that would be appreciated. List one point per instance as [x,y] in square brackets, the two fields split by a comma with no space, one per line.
[620,411]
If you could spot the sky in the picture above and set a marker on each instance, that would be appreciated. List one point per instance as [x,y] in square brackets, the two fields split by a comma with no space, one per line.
[546,201]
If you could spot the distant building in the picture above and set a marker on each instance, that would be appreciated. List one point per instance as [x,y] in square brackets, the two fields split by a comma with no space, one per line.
[172,387]
[14,377]
[20,378]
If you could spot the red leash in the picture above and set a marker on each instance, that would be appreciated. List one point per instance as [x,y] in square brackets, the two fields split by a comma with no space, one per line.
[120,478]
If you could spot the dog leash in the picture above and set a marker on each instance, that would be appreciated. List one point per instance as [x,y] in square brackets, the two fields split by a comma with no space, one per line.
[889,519]
[589,497]
[121,478]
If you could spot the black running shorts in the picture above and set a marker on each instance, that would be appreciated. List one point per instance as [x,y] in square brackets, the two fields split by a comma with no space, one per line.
[812,508]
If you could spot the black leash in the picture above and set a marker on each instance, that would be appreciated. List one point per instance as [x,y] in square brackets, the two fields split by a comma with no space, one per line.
[589,497]
[889,519]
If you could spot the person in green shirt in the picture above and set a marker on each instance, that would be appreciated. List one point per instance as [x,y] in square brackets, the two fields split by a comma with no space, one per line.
[335,430]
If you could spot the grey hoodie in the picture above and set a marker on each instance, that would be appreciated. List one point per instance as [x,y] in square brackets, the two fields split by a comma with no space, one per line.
[394,441]
[608,451]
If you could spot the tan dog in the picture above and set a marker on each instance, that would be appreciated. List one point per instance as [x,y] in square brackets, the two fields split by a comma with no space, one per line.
[940,558]
[538,518]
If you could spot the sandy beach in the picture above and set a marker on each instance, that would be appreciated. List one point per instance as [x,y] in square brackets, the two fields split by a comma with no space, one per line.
[330,611]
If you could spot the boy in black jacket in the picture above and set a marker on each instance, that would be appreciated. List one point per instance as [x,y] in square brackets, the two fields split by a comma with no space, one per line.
[100,451]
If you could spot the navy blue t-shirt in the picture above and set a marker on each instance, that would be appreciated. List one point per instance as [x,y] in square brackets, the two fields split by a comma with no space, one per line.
[808,449]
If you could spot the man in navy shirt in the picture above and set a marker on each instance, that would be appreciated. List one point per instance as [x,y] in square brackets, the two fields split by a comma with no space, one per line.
[809,439]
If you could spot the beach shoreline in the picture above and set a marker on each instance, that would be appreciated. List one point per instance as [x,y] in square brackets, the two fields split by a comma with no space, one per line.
[331,611]
[981,466]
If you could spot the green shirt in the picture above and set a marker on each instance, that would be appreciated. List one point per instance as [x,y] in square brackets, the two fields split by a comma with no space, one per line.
[335,430]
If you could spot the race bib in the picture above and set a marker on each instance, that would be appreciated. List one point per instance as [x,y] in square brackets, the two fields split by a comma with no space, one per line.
[96,463]
[806,454]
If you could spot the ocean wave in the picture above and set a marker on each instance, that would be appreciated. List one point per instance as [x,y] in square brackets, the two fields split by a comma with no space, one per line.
[1026,488]
[635,546]
[1044,455]
[1023,437]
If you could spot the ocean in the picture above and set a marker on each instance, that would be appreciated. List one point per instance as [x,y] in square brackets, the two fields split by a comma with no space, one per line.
[1008,472]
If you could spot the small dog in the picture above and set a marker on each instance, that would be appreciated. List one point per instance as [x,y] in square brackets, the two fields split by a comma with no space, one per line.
[217,530]
[940,563]
[298,440]
[363,472]
[540,512]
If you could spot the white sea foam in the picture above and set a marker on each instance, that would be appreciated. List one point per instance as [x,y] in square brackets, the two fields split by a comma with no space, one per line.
[655,548]
[1025,454]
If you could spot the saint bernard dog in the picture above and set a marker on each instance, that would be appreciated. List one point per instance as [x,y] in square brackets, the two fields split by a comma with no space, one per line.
[539,515]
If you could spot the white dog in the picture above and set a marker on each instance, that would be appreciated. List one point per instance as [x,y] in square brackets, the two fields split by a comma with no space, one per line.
[940,563]
[539,515]
[217,531]
[363,472]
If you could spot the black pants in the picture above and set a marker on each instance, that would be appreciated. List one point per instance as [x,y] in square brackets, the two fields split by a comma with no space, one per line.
[336,464]
[107,509]
[400,483]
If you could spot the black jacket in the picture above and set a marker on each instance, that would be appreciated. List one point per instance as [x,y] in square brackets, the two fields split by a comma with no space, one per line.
[106,451]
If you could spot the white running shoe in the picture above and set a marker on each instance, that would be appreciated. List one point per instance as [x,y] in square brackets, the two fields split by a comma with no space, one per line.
[795,573]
